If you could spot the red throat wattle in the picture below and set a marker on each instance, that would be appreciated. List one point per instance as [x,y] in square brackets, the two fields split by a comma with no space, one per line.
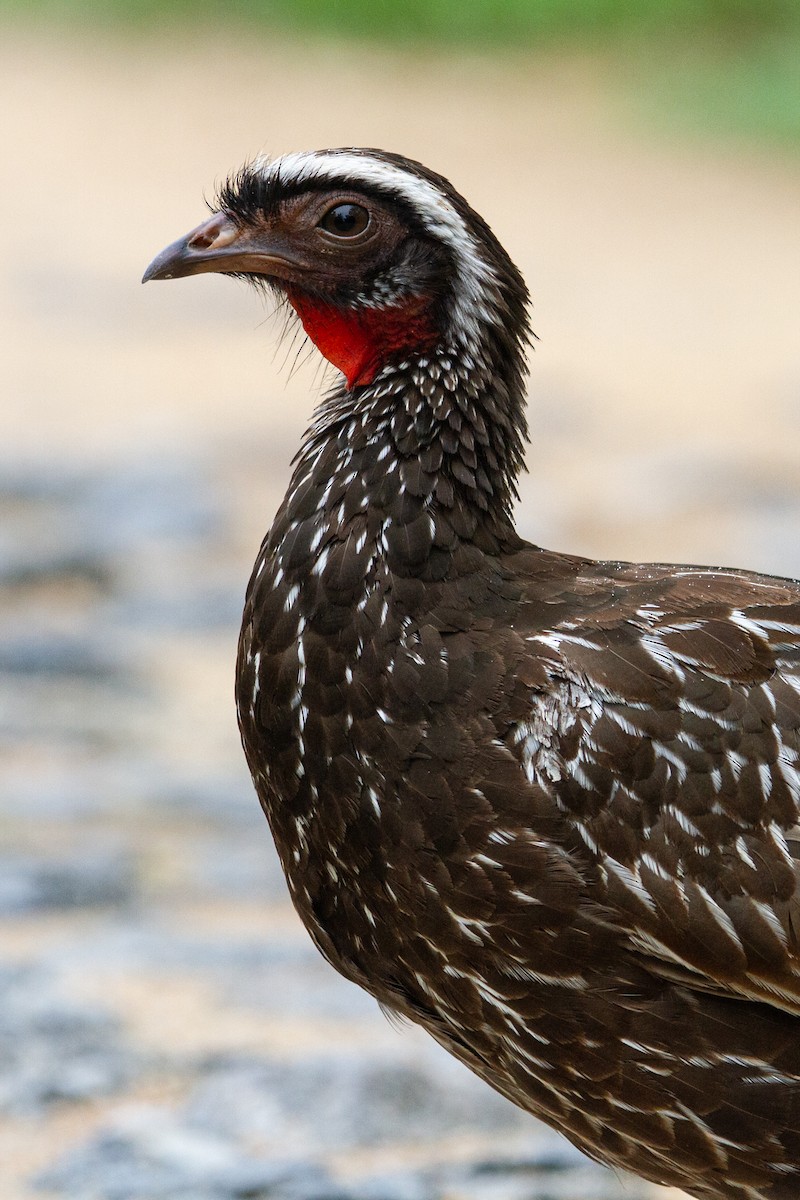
[360,341]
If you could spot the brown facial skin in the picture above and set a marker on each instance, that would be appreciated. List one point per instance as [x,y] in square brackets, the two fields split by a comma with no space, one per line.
[289,245]
[364,284]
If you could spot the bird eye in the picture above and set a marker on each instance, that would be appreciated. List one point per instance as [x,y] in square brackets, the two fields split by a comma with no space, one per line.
[345,220]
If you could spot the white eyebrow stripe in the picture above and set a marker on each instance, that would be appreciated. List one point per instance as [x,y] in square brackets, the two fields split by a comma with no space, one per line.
[432,208]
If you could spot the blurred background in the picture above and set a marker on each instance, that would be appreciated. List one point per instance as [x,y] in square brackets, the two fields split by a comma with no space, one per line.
[166,1029]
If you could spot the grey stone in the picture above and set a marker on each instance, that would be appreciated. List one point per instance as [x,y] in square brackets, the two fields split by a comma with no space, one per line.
[108,565]
[51,655]
[408,1185]
[551,1175]
[95,877]
[51,1050]
[346,1100]
[231,866]
[291,976]
[222,799]
[149,1155]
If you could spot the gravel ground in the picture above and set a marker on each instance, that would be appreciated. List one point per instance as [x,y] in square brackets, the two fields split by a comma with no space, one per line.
[150,947]
[166,1028]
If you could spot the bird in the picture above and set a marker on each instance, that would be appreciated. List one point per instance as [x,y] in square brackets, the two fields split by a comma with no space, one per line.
[543,806]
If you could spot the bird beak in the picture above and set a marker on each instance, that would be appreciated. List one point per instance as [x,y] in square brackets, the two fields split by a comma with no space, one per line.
[219,244]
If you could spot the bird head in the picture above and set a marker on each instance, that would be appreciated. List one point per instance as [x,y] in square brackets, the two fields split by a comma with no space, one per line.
[379,257]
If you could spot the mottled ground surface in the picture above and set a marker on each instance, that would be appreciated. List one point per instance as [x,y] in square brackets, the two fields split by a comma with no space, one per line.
[166,1029]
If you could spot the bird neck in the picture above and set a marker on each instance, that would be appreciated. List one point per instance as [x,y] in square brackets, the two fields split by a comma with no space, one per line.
[431,446]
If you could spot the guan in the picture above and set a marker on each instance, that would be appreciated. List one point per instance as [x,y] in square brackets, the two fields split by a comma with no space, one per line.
[544,806]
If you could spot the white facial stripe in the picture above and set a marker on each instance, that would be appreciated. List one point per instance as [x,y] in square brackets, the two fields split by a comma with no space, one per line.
[474,300]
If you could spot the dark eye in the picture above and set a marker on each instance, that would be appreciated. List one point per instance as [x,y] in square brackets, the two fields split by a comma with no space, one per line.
[345,220]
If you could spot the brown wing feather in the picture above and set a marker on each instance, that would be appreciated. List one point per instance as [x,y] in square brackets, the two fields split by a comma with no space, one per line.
[668,732]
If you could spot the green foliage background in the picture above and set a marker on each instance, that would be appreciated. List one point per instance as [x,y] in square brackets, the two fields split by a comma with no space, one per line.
[732,66]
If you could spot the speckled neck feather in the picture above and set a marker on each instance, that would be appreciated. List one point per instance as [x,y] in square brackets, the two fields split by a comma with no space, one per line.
[545,807]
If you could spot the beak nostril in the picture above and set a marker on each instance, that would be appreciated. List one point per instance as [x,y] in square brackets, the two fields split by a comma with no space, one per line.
[203,239]
[216,233]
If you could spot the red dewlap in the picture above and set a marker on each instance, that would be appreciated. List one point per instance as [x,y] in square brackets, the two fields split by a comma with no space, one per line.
[360,341]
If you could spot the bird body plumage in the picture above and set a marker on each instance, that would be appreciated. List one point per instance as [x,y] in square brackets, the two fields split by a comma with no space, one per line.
[543,806]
